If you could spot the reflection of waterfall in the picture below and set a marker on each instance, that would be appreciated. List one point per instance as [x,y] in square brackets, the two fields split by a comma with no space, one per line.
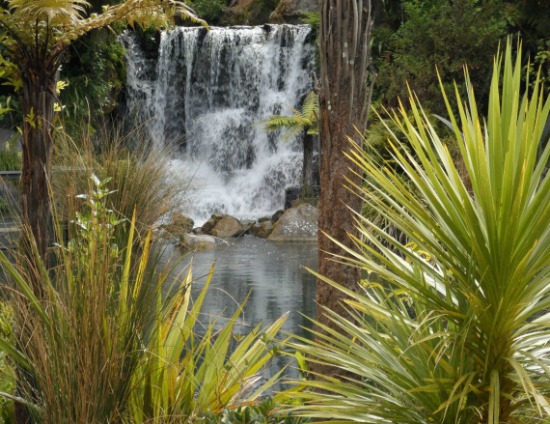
[206,93]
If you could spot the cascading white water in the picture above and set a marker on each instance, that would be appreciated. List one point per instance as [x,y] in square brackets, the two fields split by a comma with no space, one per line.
[207,93]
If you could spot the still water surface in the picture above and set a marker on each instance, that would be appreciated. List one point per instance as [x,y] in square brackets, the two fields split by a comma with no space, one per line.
[272,273]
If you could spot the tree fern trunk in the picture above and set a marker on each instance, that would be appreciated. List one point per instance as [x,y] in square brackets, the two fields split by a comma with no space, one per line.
[38,108]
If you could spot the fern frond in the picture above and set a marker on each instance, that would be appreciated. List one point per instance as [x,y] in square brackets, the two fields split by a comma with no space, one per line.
[55,12]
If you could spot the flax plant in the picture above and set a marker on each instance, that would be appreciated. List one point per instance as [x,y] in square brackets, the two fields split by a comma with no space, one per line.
[140,175]
[453,325]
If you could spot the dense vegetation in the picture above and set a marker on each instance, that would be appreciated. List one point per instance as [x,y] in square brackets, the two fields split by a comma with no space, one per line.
[450,321]
[410,38]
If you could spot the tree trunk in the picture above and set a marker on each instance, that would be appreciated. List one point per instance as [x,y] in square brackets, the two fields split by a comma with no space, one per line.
[38,108]
[38,100]
[344,50]
[307,170]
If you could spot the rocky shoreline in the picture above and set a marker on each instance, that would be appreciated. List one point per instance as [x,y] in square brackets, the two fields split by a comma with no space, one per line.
[296,224]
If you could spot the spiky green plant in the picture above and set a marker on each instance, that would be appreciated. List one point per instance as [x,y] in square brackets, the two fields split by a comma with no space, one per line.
[454,325]
[111,337]
[191,372]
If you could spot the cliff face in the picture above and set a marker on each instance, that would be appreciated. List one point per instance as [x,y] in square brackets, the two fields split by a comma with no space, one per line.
[254,12]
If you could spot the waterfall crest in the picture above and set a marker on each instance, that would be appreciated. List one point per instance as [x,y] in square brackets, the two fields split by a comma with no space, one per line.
[206,93]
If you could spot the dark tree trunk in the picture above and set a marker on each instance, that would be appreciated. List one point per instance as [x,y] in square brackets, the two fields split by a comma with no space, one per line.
[38,108]
[343,101]
[307,170]
[38,98]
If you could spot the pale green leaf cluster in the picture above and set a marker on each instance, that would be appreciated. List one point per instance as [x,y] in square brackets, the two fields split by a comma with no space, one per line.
[39,30]
[187,375]
[452,326]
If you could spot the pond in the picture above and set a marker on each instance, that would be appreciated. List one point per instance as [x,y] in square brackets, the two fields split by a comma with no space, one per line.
[272,274]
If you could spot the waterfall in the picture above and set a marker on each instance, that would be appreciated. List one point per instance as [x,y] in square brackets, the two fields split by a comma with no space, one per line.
[206,93]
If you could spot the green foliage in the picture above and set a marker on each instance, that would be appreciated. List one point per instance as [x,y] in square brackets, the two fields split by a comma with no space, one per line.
[304,120]
[96,75]
[7,370]
[60,23]
[7,108]
[265,412]
[441,34]
[209,10]
[139,175]
[10,158]
[187,376]
[451,326]
[80,337]
[313,19]
[114,337]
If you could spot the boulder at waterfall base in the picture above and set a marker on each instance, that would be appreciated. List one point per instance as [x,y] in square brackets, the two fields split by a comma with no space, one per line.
[296,224]
[227,226]
[208,225]
[262,229]
[179,226]
[200,242]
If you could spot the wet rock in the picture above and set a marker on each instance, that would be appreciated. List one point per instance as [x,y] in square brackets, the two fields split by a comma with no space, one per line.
[296,224]
[247,225]
[292,194]
[262,229]
[210,224]
[201,242]
[227,226]
[275,217]
[246,12]
[179,226]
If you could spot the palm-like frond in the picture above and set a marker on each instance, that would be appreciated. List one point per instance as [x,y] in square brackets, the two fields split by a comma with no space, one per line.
[458,332]
[145,13]
[300,121]
[60,22]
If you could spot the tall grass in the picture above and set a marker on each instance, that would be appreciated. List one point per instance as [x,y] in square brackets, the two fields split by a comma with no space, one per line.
[139,173]
[111,337]
[451,326]
[81,339]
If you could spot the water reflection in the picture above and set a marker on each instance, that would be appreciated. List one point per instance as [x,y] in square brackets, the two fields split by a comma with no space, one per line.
[273,273]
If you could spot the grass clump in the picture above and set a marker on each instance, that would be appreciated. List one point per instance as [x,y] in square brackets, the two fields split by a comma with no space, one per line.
[7,375]
[10,158]
[139,175]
